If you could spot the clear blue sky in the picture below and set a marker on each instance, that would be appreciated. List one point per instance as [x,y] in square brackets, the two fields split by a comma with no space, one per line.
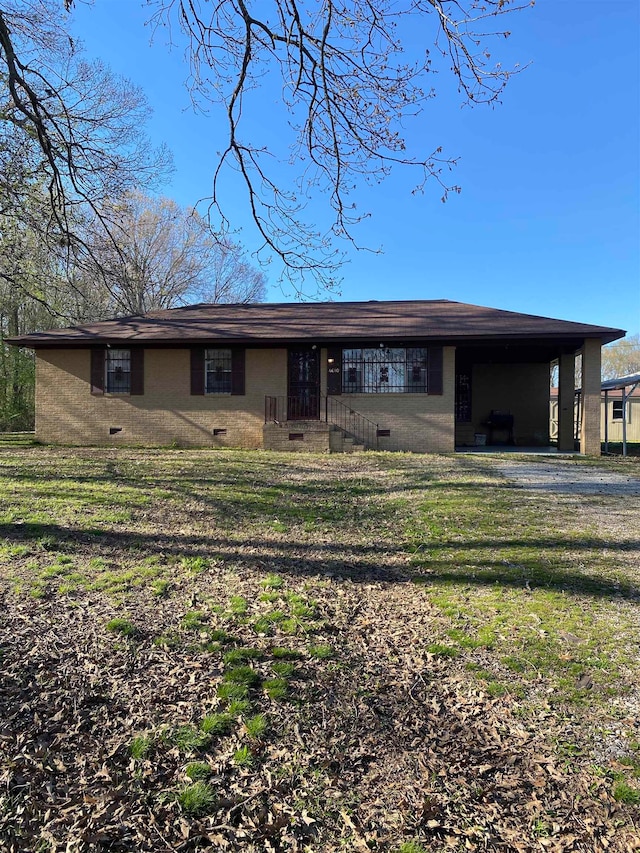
[548,221]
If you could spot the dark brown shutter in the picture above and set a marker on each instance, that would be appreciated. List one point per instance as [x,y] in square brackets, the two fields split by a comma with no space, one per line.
[434,378]
[137,371]
[97,370]
[334,370]
[197,370]
[237,371]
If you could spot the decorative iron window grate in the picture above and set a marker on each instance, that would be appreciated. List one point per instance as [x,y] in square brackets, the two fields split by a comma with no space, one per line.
[384,370]
[118,371]
[217,369]
[463,397]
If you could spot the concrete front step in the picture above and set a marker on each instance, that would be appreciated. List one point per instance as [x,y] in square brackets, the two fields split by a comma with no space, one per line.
[309,437]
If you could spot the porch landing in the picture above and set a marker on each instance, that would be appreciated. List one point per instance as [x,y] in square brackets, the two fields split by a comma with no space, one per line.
[309,437]
[520,451]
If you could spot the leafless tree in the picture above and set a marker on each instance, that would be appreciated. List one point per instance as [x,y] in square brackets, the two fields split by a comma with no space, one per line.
[159,255]
[70,129]
[621,358]
[349,75]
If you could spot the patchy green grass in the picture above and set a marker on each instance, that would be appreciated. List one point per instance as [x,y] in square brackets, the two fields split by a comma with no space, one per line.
[305,627]
[217,724]
[230,692]
[198,798]
[624,793]
[321,651]
[276,688]
[193,620]
[190,739]
[256,726]
[243,757]
[198,771]
[141,746]
[244,675]
[123,626]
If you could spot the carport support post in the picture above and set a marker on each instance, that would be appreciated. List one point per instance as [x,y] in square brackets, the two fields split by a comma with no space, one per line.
[566,396]
[591,391]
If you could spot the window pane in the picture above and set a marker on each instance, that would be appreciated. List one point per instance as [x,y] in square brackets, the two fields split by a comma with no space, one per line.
[118,371]
[217,366]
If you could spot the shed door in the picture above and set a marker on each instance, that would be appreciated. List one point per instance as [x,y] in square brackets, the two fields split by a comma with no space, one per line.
[304,384]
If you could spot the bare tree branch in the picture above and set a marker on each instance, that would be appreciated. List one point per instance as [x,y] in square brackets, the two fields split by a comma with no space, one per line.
[351,74]
[349,81]
[76,126]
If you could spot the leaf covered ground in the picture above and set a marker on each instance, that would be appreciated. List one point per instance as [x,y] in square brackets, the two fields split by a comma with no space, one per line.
[263,652]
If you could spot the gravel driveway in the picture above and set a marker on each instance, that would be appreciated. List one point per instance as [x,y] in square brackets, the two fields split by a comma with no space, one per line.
[565,476]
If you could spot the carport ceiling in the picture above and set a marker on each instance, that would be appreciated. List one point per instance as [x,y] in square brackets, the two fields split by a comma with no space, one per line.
[542,352]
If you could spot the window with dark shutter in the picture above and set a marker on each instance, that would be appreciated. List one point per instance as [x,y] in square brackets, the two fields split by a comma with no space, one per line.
[97,370]
[137,372]
[434,379]
[197,370]
[217,371]
[118,371]
[237,371]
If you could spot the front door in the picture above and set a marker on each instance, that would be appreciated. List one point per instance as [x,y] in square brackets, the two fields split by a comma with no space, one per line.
[304,385]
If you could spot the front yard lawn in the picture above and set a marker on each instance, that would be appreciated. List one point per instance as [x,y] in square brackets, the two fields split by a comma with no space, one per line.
[268,652]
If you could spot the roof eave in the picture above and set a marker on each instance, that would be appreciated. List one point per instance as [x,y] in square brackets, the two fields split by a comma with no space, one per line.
[445,339]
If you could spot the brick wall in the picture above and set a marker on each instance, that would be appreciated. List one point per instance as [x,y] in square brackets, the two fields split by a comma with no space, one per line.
[300,437]
[67,412]
[420,423]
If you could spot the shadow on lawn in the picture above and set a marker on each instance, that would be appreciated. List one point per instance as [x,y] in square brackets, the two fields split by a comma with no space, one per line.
[487,563]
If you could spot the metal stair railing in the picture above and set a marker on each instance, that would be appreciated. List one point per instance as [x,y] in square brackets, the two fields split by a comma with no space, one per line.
[352,422]
[278,410]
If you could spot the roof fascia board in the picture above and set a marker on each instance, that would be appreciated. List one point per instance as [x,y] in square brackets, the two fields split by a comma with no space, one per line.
[570,341]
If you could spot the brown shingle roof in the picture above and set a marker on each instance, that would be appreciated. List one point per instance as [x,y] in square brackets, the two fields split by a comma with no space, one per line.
[437,320]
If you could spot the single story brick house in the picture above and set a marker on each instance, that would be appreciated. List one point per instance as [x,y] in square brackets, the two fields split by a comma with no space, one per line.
[423,376]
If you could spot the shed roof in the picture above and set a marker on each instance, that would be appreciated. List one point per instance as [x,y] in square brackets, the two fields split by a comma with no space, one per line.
[621,382]
[425,320]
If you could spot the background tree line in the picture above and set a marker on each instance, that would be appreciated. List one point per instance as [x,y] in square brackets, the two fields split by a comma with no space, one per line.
[83,234]
[156,255]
